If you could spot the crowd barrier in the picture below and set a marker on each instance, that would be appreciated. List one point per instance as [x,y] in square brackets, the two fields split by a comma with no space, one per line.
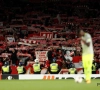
[46,76]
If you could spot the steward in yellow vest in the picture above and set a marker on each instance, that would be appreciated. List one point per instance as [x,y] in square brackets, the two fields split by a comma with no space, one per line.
[72,70]
[6,69]
[94,67]
[37,67]
[21,69]
[54,68]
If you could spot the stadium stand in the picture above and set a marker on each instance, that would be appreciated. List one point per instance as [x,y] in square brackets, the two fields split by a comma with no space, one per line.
[32,30]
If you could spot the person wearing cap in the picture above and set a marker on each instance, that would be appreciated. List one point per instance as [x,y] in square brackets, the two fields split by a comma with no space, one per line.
[54,68]
[72,70]
[6,68]
[21,69]
[37,67]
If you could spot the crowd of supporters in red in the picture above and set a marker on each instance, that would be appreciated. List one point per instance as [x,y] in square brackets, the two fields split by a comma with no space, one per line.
[27,28]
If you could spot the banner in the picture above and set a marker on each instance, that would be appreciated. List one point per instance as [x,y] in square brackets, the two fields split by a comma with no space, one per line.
[48,35]
[27,44]
[47,76]
[28,41]
[55,76]
[68,48]
[41,55]
[22,54]
[6,76]
[5,55]
[77,60]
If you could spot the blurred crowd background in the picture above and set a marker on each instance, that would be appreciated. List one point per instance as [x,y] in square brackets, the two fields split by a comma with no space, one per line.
[28,26]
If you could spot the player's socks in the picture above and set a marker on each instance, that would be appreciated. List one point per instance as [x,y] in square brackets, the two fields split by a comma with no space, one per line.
[88,75]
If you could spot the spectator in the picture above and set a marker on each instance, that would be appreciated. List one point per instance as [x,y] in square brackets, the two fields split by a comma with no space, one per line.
[54,68]
[49,55]
[67,56]
[37,67]
[60,54]
[6,68]
[21,69]
[4,59]
[68,60]
[98,64]
[72,70]
[59,57]
[78,50]
[14,57]
[54,54]
[59,61]
[23,59]
[94,67]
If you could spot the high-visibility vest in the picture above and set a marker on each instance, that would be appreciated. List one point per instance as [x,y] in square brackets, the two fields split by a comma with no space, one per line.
[20,69]
[93,67]
[72,70]
[54,67]
[36,67]
[5,68]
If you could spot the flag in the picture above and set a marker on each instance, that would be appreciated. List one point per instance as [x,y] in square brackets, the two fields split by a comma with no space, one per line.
[77,60]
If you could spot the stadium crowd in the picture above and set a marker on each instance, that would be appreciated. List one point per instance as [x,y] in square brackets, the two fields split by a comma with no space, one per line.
[53,27]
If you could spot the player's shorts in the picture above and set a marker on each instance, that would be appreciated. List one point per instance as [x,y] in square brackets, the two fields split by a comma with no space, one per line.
[87,60]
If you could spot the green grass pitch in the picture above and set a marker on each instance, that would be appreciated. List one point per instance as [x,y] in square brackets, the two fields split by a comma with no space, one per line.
[68,84]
